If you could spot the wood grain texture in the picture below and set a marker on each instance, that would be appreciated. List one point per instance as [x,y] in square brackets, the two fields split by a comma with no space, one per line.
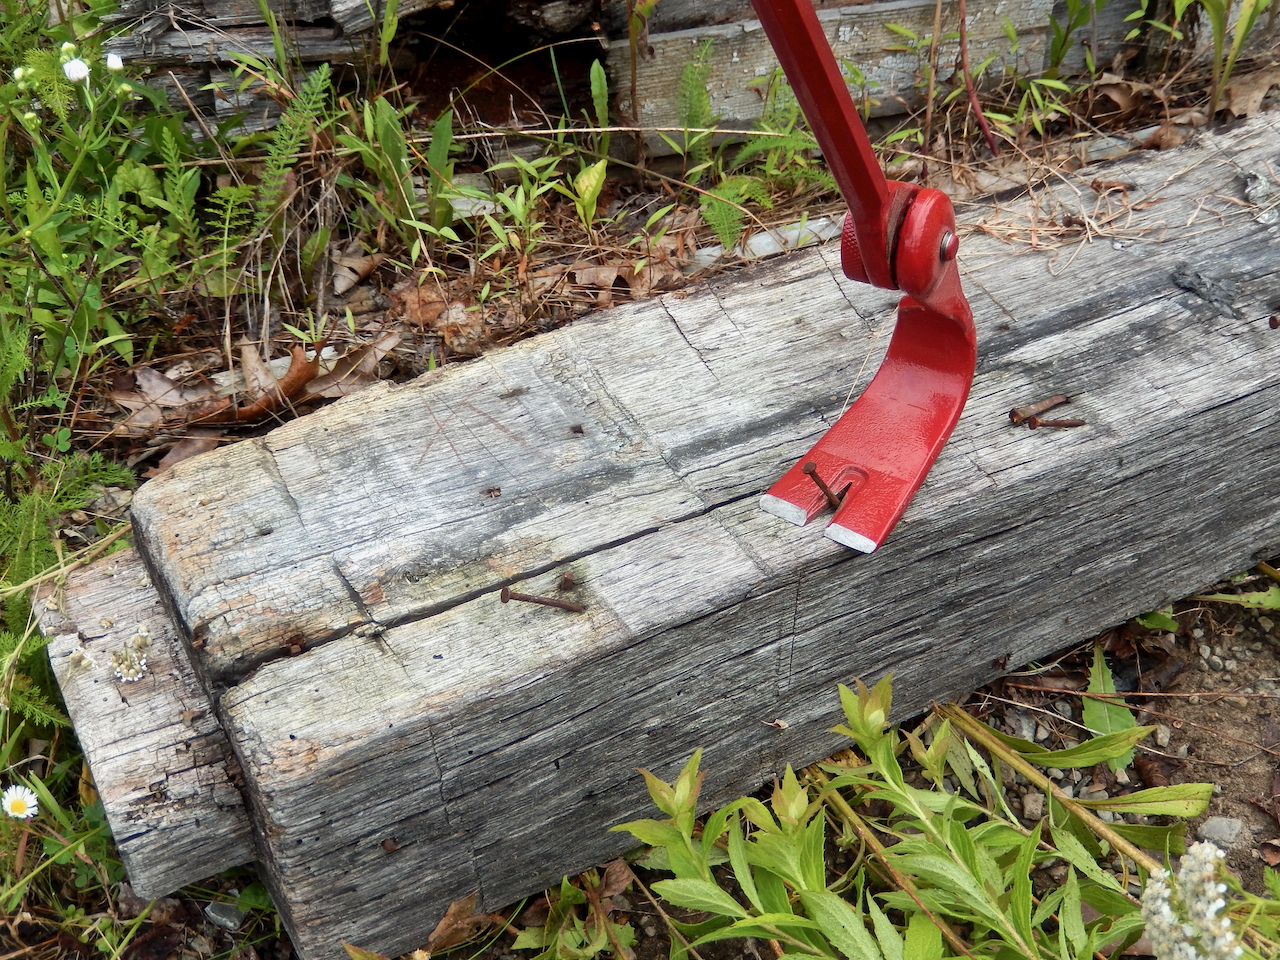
[159,757]
[740,55]
[496,743]
[161,44]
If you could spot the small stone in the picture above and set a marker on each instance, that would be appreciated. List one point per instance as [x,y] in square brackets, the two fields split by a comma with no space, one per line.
[1221,831]
[1266,623]
[1033,806]
[1096,794]
[1067,790]
[226,915]
[650,930]
[1053,773]
[1215,662]
[1197,633]
[1228,665]
[1063,708]
[1181,752]
[1042,733]
[1137,819]
[1105,815]
[1163,734]
[1205,651]
[1075,776]
[1238,701]
[1122,776]
[1194,700]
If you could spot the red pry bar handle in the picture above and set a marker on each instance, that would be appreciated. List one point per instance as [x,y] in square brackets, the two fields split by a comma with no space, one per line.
[899,236]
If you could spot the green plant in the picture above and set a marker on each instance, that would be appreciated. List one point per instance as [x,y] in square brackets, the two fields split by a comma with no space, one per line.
[693,108]
[585,191]
[1223,58]
[954,875]
[567,935]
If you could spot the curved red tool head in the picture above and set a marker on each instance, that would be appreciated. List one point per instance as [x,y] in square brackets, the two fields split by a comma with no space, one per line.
[898,236]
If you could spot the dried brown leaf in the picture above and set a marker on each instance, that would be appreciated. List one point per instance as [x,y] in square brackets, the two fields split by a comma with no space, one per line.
[348,271]
[617,877]
[1246,93]
[357,369]
[459,924]
[258,378]
[1269,851]
[183,450]
[419,304]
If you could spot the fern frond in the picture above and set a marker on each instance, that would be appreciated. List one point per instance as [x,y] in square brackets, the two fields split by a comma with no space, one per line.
[290,134]
[693,106]
[722,206]
[29,702]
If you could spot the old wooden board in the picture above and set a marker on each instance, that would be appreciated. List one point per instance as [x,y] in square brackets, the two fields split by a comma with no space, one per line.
[159,757]
[739,60]
[494,744]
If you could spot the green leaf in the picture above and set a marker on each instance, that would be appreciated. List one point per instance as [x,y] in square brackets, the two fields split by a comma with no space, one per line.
[841,924]
[766,926]
[741,869]
[1020,903]
[1073,852]
[1261,600]
[1103,716]
[923,940]
[891,943]
[1179,800]
[699,895]
[1170,839]
[652,833]
[1097,750]
[1159,620]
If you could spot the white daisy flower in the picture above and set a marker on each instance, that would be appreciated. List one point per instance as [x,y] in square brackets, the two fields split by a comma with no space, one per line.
[69,48]
[19,801]
[114,63]
[76,70]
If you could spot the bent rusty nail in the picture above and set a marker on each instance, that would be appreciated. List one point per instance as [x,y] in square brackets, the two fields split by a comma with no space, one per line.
[810,470]
[508,594]
[1020,414]
[1034,422]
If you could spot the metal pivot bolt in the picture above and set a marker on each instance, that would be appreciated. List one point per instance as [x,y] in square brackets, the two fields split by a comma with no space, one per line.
[949,247]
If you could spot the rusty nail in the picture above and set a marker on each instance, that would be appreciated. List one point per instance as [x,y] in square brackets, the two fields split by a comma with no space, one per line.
[509,594]
[1019,414]
[390,845]
[566,582]
[1034,422]
[810,470]
[1275,322]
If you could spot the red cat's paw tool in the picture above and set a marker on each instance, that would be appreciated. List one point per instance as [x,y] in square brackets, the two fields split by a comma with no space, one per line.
[901,237]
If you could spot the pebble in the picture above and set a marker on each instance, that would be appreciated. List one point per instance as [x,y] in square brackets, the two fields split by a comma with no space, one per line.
[1216,662]
[1238,701]
[1197,633]
[1163,734]
[1228,665]
[1181,752]
[1053,773]
[1033,806]
[1266,623]
[1205,651]
[1063,708]
[650,930]
[1194,700]
[1095,794]
[1042,733]
[226,915]
[1122,777]
[1222,831]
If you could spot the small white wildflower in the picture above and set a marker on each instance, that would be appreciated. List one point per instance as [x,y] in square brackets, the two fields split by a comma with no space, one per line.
[19,73]
[114,63]
[20,802]
[77,70]
[69,48]
[126,88]
[1205,934]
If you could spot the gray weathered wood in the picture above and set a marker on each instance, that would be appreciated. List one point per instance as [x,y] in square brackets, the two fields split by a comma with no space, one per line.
[495,744]
[159,757]
[740,55]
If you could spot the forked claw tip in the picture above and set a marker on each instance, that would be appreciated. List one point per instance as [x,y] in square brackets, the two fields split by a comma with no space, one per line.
[854,541]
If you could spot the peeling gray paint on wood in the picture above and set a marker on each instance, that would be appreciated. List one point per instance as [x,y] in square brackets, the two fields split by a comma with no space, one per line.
[495,744]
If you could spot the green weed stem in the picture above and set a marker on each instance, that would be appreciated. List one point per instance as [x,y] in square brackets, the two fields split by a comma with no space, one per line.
[979,732]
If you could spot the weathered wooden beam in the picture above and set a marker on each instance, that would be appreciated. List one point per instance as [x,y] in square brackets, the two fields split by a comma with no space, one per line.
[494,744]
[738,57]
[163,767]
